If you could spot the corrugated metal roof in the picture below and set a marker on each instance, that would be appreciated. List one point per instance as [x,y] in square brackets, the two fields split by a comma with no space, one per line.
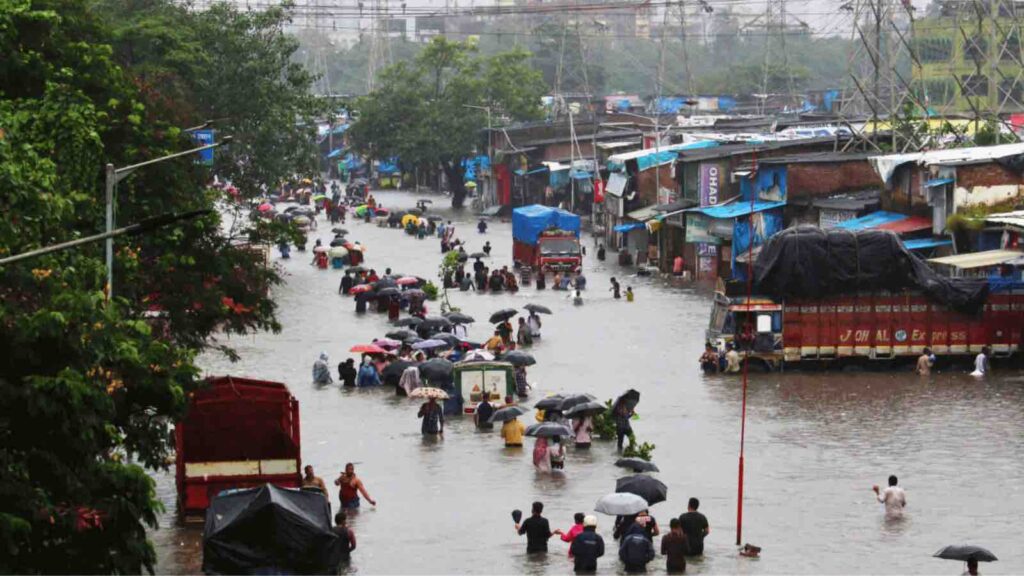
[979,259]
[1015,218]
[736,209]
[886,165]
[851,201]
[873,220]
[643,214]
[911,224]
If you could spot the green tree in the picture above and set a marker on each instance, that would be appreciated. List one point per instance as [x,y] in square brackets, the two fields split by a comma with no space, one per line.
[423,110]
[90,388]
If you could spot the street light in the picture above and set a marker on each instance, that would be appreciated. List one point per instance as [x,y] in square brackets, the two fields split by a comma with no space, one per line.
[490,159]
[115,175]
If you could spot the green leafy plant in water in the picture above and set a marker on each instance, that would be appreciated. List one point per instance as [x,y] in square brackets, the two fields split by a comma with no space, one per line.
[430,289]
[642,451]
[604,424]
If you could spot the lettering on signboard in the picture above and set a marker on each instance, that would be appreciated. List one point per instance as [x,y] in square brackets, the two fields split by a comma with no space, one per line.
[917,335]
[882,335]
[845,336]
[862,335]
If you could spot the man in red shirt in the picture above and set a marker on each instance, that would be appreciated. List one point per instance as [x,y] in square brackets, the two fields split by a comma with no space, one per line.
[573,532]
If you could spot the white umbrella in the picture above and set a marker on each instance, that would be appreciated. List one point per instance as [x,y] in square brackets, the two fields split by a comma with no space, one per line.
[621,504]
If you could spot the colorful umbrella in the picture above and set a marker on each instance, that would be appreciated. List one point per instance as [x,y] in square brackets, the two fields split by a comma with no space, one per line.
[368,349]
[429,392]
[360,289]
[407,281]
[265,207]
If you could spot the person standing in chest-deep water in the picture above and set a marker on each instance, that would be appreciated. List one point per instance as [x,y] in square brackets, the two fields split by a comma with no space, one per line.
[344,534]
[311,480]
[615,289]
[537,530]
[894,498]
[675,547]
[347,373]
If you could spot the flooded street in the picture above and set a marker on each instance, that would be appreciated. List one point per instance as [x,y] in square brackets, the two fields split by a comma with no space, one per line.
[816,442]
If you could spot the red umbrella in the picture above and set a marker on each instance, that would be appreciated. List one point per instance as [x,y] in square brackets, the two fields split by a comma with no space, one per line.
[368,349]
[265,207]
[361,288]
[407,281]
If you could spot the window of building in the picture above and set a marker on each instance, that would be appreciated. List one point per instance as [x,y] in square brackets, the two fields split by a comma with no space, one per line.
[934,49]
[1011,90]
[975,49]
[975,85]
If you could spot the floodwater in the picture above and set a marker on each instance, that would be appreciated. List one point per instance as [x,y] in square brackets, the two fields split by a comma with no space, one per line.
[816,442]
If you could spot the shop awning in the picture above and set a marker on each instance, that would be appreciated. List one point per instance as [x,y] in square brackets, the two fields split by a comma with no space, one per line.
[617,145]
[521,172]
[629,226]
[873,220]
[643,214]
[736,209]
[926,243]
[1015,218]
[979,259]
[906,225]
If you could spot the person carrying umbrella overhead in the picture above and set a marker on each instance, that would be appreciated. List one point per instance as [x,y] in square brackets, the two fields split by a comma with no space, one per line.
[430,411]
[966,553]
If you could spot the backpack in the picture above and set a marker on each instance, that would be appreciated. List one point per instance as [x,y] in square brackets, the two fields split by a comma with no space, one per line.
[637,550]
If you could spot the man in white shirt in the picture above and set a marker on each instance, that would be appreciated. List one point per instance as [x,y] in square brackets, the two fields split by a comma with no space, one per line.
[894,498]
[981,365]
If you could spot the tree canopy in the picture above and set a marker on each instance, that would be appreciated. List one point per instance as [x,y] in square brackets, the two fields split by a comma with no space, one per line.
[89,387]
[428,112]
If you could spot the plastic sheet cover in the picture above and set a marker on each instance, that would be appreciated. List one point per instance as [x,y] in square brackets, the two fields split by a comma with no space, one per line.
[529,221]
[808,262]
[270,530]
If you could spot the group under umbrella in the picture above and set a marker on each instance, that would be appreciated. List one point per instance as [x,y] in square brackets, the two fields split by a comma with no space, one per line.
[647,487]
[548,430]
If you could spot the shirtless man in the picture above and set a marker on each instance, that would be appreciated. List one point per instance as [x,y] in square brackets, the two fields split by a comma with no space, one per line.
[350,488]
[310,480]
[894,498]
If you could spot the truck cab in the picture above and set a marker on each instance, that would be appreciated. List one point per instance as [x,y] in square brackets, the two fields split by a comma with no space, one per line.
[559,251]
[754,325]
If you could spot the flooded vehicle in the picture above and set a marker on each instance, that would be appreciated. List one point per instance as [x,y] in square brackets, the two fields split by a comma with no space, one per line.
[474,379]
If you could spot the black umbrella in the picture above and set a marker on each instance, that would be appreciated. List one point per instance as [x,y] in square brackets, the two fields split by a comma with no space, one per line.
[463,256]
[575,400]
[436,369]
[586,409]
[385,282]
[389,291]
[409,321]
[636,465]
[447,338]
[646,487]
[435,323]
[396,368]
[627,401]
[518,358]
[356,269]
[459,318]
[548,430]
[538,309]
[965,552]
[415,293]
[507,413]
[339,231]
[503,315]
[338,241]
[517,515]
[478,255]
[550,403]
[402,335]
[434,218]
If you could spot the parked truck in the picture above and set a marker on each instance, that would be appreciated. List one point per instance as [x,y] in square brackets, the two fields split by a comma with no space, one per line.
[238,433]
[875,326]
[545,238]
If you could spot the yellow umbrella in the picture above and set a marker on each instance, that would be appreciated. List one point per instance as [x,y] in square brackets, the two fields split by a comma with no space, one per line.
[409,218]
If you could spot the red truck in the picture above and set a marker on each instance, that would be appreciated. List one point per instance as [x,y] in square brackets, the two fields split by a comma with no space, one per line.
[238,433]
[545,238]
[869,326]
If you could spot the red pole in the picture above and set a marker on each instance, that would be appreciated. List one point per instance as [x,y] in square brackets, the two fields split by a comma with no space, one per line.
[746,363]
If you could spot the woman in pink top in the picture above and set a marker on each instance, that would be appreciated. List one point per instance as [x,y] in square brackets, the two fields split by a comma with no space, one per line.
[583,427]
[541,459]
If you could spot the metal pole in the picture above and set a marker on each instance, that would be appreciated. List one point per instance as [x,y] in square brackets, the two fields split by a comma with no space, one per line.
[490,159]
[110,183]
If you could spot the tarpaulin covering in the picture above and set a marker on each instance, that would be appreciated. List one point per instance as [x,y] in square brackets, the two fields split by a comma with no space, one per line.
[808,262]
[873,220]
[270,530]
[736,209]
[885,166]
[629,227]
[529,221]
[336,152]
[925,243]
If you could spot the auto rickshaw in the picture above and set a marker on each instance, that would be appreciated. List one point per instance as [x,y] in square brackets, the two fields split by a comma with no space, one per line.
[474,379]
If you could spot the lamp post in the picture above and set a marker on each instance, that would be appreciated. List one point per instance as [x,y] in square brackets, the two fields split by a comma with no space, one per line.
[490,159]
[115,175]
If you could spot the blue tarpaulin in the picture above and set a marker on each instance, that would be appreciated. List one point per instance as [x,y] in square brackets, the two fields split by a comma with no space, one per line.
[389,166]
[529,221]
[873,220]
[521,172]
[581,175]
[925,243]
[336,152]
[935,182]
[754,230]
[655,158]
[628,227]
[736,209]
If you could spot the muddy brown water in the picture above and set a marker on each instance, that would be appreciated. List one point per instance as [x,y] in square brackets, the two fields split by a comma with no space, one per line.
[816,441]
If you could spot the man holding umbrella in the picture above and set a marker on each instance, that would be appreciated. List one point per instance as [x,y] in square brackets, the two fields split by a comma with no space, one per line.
[433,418]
